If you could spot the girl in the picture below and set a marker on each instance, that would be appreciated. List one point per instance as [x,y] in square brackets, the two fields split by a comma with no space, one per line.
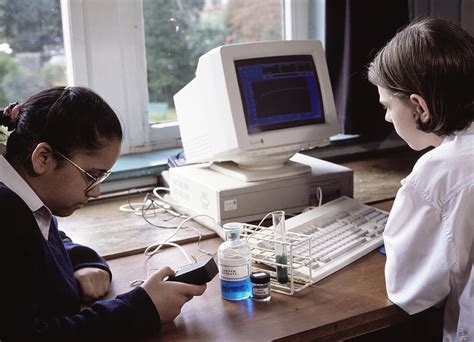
[425,78]
[63,143]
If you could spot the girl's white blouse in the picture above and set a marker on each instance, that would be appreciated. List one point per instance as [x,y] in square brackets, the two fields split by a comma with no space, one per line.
[429,237]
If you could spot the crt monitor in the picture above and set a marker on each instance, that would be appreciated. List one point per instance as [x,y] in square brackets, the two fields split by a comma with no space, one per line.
[252,106]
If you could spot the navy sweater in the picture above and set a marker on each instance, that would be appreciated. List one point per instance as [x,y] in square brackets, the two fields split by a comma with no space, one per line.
[39,297]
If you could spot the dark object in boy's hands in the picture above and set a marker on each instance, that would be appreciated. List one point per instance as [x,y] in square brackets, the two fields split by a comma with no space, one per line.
[198,273]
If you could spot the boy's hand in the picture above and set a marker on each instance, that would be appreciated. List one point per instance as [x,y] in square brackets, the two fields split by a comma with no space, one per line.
[94,282]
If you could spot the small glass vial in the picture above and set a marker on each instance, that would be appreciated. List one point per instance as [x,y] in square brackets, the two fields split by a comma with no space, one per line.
[235,262]
[279,231]
[260,286]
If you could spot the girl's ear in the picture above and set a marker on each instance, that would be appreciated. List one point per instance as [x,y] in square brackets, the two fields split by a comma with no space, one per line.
[420,107]
[42,158]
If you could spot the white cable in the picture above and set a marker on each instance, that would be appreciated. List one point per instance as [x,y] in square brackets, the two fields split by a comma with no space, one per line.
[171,203]
[150,207]
[131,207]
[157,246]
[141,208]
[261,221]
[167,244]
[319,195]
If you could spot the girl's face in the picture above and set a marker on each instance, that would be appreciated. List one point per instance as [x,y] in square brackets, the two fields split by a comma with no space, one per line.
[63,190]
[399,112]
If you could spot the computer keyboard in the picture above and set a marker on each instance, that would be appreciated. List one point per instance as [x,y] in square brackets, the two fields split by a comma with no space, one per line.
[341,232]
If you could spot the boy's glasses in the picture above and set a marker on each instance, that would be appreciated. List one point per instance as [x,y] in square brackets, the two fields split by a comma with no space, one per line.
[95,180]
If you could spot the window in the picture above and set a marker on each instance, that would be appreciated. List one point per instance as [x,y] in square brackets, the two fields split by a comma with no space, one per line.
[178,32]
[31,48]
[138,53]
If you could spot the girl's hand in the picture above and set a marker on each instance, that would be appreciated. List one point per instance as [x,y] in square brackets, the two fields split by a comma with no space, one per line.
[170,296]
[94,282]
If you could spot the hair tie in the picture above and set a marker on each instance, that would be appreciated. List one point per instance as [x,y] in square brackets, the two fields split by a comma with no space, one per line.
[9,117]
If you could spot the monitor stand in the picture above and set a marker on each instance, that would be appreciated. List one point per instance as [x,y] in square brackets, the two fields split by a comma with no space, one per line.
[289,169]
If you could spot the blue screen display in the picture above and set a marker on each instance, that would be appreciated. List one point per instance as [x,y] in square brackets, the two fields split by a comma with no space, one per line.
[279,92]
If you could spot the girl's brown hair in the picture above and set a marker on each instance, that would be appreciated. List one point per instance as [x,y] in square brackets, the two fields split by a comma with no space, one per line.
[433,58]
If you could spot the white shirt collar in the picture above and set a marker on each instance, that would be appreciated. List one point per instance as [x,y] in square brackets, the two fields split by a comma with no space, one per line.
[17,184]
[467,131]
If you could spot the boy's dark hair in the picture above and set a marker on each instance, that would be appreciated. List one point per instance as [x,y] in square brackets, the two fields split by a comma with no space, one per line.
[435,59]
[67,118]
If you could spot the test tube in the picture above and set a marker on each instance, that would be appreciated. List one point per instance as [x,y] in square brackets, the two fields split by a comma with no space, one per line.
[279,231]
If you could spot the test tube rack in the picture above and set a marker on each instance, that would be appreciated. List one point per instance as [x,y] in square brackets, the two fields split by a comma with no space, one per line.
[262,240]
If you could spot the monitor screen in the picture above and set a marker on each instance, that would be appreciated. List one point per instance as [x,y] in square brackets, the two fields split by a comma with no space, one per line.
[279,92]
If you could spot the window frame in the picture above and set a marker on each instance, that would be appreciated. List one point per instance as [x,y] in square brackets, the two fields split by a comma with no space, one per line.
[105,50]
[296,19]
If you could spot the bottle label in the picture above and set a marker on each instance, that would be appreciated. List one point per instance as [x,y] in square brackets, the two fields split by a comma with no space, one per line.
[262,291]
[234,272]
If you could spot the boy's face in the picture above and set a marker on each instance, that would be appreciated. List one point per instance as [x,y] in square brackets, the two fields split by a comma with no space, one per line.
[63,189]
[399,112]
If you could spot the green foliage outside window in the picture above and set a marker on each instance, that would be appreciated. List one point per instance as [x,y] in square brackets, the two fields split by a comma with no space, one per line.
[33,32]
[177,33]
[175,38]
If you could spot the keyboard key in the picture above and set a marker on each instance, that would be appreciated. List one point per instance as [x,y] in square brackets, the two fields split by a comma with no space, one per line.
[345,248]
